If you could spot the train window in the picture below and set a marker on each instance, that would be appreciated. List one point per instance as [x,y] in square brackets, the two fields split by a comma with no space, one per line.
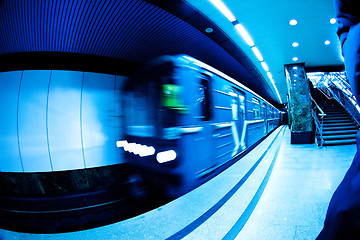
[256,108]
[203,98]
[263,112]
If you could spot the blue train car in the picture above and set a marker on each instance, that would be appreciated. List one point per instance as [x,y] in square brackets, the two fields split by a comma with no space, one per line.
[184,120]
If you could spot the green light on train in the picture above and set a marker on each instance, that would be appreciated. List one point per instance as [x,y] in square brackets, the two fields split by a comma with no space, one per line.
[171,97]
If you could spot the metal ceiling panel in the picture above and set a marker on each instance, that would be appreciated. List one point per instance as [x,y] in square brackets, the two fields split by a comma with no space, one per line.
[128,30]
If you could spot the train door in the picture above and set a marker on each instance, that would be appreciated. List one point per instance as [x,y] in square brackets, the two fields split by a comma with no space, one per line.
[238,118]
[203,143]
[265,118]
[271,117]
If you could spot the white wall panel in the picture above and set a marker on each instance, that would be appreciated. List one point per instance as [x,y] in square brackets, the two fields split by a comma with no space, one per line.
[98,125]
[119,83]
[64,130]
[32,121]
[9,91]
[74,114]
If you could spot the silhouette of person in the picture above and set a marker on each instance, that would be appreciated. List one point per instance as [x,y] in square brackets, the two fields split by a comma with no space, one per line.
[343,215]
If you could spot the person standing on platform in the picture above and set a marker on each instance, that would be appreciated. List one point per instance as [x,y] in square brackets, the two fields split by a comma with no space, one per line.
[343,215]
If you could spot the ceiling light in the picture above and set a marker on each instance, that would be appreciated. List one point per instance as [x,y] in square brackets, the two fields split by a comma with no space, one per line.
[209,30]
[257,54]
[295,44]
[295,59]
[293,22]
[333,20]
[223,8]
[327,42]
[265,66]
[244,34]
[274,85]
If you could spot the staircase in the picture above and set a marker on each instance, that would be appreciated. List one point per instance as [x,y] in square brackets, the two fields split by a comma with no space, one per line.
[339,127]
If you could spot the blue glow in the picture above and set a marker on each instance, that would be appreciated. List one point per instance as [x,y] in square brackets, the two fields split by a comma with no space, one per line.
[223,9]
[333,20]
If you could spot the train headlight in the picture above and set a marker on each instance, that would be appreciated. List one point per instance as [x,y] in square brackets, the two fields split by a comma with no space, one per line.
[166,156]
[122,143]
[146,151]
[135,148]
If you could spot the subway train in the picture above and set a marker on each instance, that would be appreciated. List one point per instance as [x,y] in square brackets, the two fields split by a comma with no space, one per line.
[184,122]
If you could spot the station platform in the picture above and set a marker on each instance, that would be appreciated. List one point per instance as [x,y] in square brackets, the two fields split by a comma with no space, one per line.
[276,191]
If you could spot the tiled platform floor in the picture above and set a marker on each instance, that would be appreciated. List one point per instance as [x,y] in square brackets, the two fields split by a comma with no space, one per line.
[295,201]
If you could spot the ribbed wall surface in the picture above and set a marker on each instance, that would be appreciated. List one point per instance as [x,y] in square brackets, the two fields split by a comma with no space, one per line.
[58,120]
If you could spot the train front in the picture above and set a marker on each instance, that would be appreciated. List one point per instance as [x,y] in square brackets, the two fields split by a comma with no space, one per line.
[151,107]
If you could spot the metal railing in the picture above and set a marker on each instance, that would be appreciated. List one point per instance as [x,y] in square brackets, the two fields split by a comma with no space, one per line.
[319,122]
[335,85]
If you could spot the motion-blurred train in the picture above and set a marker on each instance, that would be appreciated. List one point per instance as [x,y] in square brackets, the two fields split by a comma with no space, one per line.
[185,121]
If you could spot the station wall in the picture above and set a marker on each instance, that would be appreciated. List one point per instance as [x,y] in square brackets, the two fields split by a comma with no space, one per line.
[54,120]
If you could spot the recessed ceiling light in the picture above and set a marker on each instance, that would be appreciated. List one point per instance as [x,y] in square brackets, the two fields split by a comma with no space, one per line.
[293,22]
[209,30]
[295,44]
[295,59]
[333,20]
[327,42]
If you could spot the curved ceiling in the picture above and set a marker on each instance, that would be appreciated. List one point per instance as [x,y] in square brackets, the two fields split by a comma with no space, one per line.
[133,30]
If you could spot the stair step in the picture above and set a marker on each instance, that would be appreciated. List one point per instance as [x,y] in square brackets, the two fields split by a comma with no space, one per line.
[336,118]
[338,137]
[339,142]
[340,124]
[340,128]
[338,121]
[340,132]
[336,114]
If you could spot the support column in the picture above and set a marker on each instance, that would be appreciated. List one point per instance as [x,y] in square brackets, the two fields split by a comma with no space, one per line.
[300,105]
